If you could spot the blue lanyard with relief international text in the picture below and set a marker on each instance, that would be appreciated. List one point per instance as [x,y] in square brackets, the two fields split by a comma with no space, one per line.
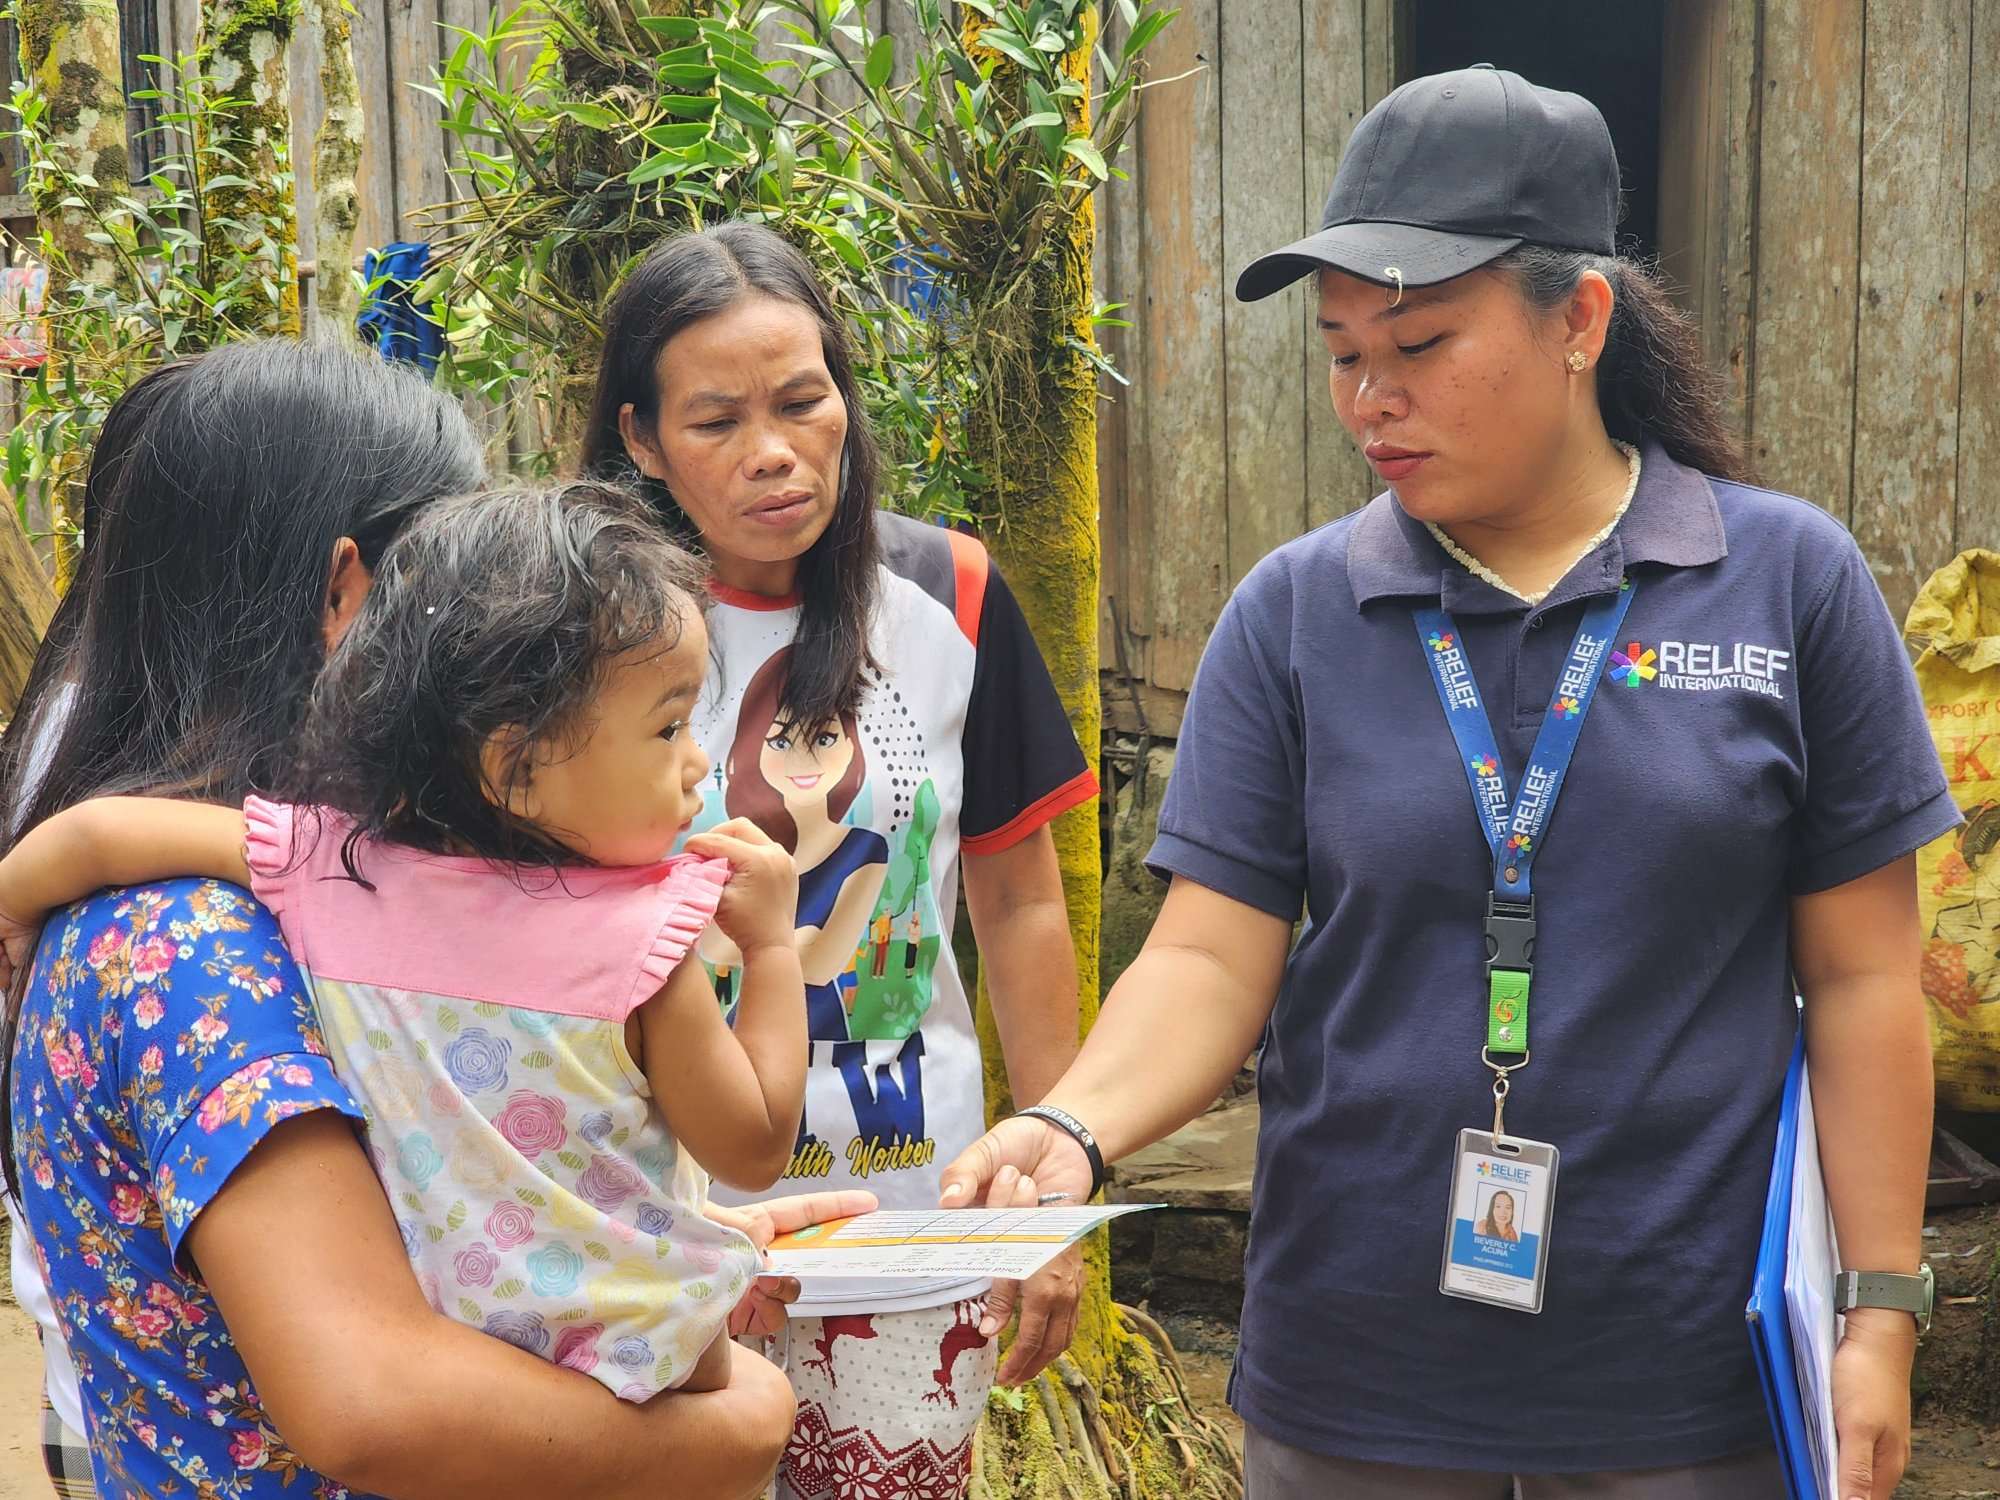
[1514,827]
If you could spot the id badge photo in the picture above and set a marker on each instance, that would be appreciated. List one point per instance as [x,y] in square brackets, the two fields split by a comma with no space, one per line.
[1496,1246]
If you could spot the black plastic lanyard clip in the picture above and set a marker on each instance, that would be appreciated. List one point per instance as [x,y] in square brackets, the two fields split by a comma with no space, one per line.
[1510,934]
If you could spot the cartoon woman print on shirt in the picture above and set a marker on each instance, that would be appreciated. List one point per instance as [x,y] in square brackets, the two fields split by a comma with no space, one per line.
[797,784]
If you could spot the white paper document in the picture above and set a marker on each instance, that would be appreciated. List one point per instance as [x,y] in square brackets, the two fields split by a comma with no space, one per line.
[965,1242]
[1811,1260]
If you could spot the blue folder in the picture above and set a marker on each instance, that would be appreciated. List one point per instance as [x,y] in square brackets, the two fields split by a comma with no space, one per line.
[1770,1322]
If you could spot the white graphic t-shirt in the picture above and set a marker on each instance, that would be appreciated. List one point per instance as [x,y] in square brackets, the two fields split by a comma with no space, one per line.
[959,744]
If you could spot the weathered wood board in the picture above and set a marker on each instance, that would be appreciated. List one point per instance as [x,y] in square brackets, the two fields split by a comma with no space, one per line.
[1263,161]
[1351,44]
[377,179]
[1186,361]
[1909,330]
[1708,122]
[1978,487]
[1808,218]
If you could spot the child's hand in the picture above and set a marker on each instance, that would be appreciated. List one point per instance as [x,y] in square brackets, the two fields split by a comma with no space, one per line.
[762,1310]
[760,905]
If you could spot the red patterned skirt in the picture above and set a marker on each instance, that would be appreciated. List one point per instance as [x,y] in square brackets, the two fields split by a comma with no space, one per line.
[887,1404]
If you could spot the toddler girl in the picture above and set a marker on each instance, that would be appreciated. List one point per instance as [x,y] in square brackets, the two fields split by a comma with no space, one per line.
[473,875]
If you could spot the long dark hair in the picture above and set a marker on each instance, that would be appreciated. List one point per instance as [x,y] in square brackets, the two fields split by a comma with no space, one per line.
[495,614]
[49,674]
[217,492]
[696,276]
[224,483]
[1652,380]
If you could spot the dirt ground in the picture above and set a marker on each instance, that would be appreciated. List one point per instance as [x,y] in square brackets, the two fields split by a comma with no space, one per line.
[21,1473]
[1955,1458]
[1956,1447]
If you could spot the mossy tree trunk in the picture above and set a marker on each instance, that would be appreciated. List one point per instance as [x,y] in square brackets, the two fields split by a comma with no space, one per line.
[246,42]
[1112,1418]
[336,166]
[69,51]
[70,54]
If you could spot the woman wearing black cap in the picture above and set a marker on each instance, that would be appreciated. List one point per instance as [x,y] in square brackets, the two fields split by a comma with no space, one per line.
[1578,753]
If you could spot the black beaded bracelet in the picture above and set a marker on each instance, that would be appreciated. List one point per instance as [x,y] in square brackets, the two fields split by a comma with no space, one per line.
[1071,1126]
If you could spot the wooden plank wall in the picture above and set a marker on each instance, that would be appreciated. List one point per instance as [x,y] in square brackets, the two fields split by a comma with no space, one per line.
[1830,208]
[1977,493]
[1221,447]
[1710,107]
[1914,122]
[404,153]
[1877,267]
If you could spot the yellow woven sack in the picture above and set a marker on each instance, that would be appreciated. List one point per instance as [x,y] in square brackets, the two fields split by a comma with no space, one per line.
[1955,624]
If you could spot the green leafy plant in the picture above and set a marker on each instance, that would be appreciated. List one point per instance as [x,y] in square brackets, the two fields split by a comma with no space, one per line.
[592,128]
[188,275]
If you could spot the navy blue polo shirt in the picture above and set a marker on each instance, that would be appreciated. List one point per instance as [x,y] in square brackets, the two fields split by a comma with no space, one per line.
[1766,740]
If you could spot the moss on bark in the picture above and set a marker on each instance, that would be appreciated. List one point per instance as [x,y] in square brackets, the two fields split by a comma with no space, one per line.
[69,51]
[336,165]
[245,42]
[1112,1419]
[26,603]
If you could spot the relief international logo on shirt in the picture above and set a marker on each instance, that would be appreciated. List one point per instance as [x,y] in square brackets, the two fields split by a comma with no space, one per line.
[1634,665]
[1703,667]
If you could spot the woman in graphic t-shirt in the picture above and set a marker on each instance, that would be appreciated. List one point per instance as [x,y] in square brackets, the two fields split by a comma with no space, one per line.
[877,705]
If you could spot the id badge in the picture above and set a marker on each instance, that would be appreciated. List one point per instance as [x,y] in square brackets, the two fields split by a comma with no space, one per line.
[1496,1245]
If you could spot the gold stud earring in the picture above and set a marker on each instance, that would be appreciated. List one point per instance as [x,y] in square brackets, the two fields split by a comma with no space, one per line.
[1579,361]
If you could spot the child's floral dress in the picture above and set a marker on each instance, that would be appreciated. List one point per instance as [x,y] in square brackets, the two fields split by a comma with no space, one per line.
[481,1023]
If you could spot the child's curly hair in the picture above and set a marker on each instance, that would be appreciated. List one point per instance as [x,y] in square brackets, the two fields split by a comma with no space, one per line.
[493,616]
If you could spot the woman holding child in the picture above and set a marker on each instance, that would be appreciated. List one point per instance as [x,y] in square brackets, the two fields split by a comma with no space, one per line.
[228,1277]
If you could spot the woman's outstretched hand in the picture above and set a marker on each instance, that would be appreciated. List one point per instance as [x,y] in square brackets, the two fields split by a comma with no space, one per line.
[762,1310]
[991,1168]
[1010,1167]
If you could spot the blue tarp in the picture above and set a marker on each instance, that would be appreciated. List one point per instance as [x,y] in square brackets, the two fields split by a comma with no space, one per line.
[390,319]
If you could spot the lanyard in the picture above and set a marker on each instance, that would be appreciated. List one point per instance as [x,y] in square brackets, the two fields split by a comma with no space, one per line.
[1514,826]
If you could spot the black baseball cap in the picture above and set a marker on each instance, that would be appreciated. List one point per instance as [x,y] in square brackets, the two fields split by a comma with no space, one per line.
[1451,171]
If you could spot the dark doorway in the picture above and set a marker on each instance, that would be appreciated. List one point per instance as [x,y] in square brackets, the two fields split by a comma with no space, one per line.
[1610,54]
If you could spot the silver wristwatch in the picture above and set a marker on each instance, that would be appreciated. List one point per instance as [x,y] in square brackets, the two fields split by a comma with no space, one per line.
[1911,1294]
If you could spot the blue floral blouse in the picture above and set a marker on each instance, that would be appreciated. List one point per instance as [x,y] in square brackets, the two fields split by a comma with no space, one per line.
[165,1031]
